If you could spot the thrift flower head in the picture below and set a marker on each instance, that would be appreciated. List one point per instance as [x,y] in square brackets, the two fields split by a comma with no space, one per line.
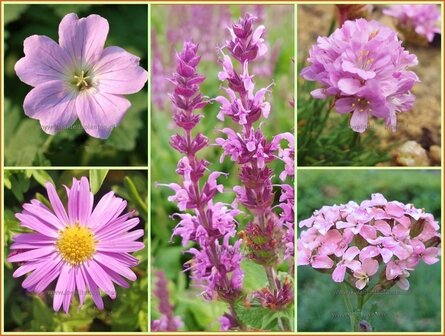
[365,68]
[78,77]
[423,20]
[353,241]
[84,248]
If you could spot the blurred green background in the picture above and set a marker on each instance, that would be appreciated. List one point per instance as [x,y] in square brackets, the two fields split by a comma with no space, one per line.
[320,305]
[25,142]
[30,312]
[206,25]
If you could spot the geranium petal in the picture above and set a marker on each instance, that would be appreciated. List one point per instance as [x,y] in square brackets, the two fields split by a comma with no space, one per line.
[118,72]
[100,112]
[83,39]
[44,61]
[53,104]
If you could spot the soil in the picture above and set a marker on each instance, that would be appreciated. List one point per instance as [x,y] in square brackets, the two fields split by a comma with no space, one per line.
[423,123]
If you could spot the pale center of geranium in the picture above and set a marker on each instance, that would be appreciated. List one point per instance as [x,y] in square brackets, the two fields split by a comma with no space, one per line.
[76,244]
[362,105]
[82,79]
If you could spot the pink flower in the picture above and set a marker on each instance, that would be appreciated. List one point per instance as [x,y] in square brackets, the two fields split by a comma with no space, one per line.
[423,19]
[346,262]
[368,268]
[363,66]
[78,78]
[87,248]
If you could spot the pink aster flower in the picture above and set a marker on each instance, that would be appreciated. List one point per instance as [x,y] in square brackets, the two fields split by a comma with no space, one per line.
[78,78]
[424,20]
[86,248]
[364,67]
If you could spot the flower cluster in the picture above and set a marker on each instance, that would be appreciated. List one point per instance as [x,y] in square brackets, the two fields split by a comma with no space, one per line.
[253,152]
[356,239]
[78,78]
[423,20]
[86,249]
[167,321]
[216,263]
[365,68]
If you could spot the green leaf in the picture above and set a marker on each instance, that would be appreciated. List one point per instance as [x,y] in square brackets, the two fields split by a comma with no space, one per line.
[254,275]
[258,317]
[41,176]
[97,177]
[133,193]
[13,12]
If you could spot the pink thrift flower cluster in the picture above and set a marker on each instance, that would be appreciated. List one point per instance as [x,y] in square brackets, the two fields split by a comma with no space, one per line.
[424,20]
[253,152]
[79,78]
[216,262]
[365,68]
[358,240]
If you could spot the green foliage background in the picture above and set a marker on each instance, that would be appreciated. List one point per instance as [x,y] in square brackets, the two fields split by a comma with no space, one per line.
[25,142]
[196,313]
[30,312]
[320,305]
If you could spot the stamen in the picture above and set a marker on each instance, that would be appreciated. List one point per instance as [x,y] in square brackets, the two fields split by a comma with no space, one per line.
[76,244]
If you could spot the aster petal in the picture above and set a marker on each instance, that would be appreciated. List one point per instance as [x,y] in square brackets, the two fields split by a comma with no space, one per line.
[93,288]
[81,286]
[28,267]
[44,215]
[32,238]
[115,265]
[41,272]
[101,278]
[118,72]
[49,277]
[73,201]
[85,200]
[61,288]
[108,209]
[116,278]
[84,38]
[56,203]
[116,228]
[69,289]
[100,112]
[53,104]
[44,61]
[32,254]
[119,246]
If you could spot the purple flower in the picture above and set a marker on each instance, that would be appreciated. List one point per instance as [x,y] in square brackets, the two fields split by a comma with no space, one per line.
[215,265]
[365,68]
[167,321]
[78,78]
[424,20]
[86,248]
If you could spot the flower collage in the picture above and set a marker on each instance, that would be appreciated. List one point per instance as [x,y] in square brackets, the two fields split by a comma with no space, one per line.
[221,168]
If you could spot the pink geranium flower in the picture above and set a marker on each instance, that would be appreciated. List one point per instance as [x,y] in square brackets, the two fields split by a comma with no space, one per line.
[78,78]
[86,249]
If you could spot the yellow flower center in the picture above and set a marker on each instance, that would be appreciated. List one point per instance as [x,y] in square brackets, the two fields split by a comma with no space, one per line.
[82,80]
[76,244]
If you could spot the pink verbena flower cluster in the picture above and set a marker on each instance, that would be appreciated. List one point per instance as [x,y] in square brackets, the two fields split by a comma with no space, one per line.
[424,20]
[365,68]
[250,149]
[359,239]
[216,263]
